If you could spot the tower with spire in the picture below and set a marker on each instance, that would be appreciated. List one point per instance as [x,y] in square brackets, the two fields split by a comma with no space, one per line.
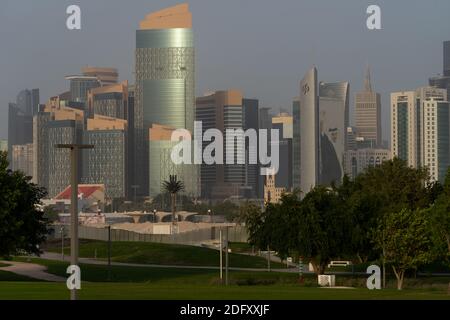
[368,114]
[368,80]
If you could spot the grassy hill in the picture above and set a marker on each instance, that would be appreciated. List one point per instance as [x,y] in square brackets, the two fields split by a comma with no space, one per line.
[162,254]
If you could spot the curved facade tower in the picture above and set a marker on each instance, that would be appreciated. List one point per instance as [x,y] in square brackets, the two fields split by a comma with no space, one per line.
[320,120]
[165,83]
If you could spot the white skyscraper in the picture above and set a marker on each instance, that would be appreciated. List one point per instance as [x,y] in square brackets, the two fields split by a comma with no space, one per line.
[420,122]
[309,128]
[404,120]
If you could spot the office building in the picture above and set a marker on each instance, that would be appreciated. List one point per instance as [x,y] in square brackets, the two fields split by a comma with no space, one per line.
[435,136]
[165,81]
[20,119]
[286,121]
[368,113]
[20,122]
[110,101]
[40,148]
[405,118]
[309,128]
[107,162]
[442,81]
[61,132]
[251,121]
[22,159]
[419,124]
[272,193]
[351,138]
[332,136]
[357,161]
[80,86]
[106,76]
[283,178]
[322,130]
[3,145]
[91,78]
[223,110]
[296,143]
[55,124]
[339,91]
[160,149]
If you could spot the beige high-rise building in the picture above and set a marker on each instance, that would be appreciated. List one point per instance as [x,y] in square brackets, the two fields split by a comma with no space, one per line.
[287,121]
[272,193]
[22,158]
[368,112]
[405,139]
[106,76]
[420,129]
[110,101]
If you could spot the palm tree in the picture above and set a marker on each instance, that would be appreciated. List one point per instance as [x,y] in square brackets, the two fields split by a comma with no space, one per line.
[173,186]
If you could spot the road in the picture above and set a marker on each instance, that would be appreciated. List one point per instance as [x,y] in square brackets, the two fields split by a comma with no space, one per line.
[31,270]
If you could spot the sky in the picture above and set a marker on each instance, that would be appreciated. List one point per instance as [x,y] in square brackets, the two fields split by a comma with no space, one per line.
[262,47]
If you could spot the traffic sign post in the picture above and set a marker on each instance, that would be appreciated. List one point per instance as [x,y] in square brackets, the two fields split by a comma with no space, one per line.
[300,270]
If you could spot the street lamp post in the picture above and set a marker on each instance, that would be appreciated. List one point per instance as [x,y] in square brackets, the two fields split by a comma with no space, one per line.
[74,155]
[226,257]
[62,243]
[210,213]
[109,252]
[221,255]
[154,215]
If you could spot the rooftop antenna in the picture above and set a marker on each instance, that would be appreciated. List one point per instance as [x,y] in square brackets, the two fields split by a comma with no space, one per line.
[368,80]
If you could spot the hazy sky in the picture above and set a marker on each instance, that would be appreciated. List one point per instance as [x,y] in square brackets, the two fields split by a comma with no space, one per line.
[263,47]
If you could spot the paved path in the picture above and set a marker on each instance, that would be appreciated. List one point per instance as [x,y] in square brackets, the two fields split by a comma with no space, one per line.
[31,270]
[57,257]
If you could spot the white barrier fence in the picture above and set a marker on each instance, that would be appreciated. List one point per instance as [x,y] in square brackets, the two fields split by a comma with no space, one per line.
[195,237]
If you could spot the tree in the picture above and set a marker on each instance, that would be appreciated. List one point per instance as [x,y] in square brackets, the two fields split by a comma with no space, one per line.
[254,219]
[362,209]
[173,186]
[323,227]
[440,215]
[395,186]
[275,226]
[381,190]
[440,222]
[405,240]
[50,214]
[22,226]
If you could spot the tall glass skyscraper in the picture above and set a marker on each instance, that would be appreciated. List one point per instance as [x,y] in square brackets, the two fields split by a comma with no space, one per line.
[320,119]
[447,58]
[443,81]
[165,82]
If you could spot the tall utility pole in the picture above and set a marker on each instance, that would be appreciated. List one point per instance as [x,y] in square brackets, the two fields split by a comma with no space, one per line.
[226,258]
[109,252]
[74,155]
[221,255]
[62,242]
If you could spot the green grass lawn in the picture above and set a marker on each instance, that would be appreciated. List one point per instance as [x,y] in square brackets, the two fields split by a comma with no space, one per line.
[99,273]
[162,254]
[169,283]
[146,291]
[9,276]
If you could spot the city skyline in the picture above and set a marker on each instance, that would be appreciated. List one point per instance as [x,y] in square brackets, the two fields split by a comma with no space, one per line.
[219,64]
